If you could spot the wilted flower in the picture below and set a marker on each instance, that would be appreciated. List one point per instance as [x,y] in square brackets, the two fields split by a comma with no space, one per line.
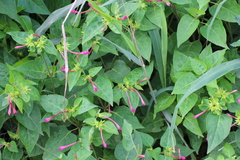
[11,107]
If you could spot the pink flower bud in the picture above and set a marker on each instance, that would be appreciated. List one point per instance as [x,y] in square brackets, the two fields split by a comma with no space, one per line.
[20,46]
[238,100]
[47,120]
[83,52]
[74,11]
[123,18]
[63,147]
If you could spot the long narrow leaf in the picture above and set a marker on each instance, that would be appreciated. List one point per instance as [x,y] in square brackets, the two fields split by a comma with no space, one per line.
[56,15]
[128,54]
[209,76]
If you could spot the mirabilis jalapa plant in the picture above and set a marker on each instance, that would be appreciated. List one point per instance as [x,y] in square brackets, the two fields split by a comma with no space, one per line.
[144,79]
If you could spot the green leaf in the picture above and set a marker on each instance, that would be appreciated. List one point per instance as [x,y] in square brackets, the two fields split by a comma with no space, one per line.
[186,27]
[202,3]
[26,23]
[184,83]
[122,154]
[53,103]
[31,121]
[19,37]
[192,124]
[218,128]
[4,74]
[188,103]
[215,58]
[110,127]
[237,137]
[128,8]
[12,155]
[73,79]
[164,100]
[147,140]
[50,48]
[28,137]
[118,72]
[198,66]
[94,71]
[34,6]
[214,36]
[153,14]
[82,105]
[143,42]
[105,90]
[9,8]
[122,113]
[182,1]
[165,141]
[86,135]
[127,140]
[228,150]
[93,28]
[61,137]
[227,12]
[33,68]
[13,147]
[80,151]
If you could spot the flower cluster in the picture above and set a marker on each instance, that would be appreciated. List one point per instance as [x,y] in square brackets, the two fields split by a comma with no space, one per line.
[216,103]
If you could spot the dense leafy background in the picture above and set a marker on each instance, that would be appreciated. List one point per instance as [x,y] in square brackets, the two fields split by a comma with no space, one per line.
[125,80]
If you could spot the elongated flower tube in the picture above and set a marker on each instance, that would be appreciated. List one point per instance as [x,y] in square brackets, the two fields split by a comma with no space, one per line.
[50,118]
[64,70]
[83,52]
[11,108]
[20,46]
[139,95]
[118,127]
[130,104]
[123,18]
[196,116]
[74,11]
[103,142]
[237,119]
[93,85]
[179,154]
[238,100]
[69,145]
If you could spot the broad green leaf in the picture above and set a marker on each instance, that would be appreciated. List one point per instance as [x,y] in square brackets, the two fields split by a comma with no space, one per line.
[33,68]
[205,52]
[184,83]
[13,147]
[202,3]
[127,140]
[215,58]
[164,100]
[34,6]
[53,103]
[195,141]
[61,137]
[51,49]
[18,36]
[188,103]
[165,141]
[94,71]
[82,105]
[73,79]
[9,8]
[105,90]
[186,27]
[153,14]
[80,151]
[191,49]
[147,140]
[238,138]
[235,44]
[228,150]
[118,72]
[122,154]
[86,136]
[92,29]
[198,66]
[214,36]
[122,113]
[218,128]
[4,74]
[128,8]
[192,124]
[146,25]
[227,12]
[12,155]
[143,43]
[32,121]
[110,127]
[28,137]
[181,62]
[26,23]
[182,1]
